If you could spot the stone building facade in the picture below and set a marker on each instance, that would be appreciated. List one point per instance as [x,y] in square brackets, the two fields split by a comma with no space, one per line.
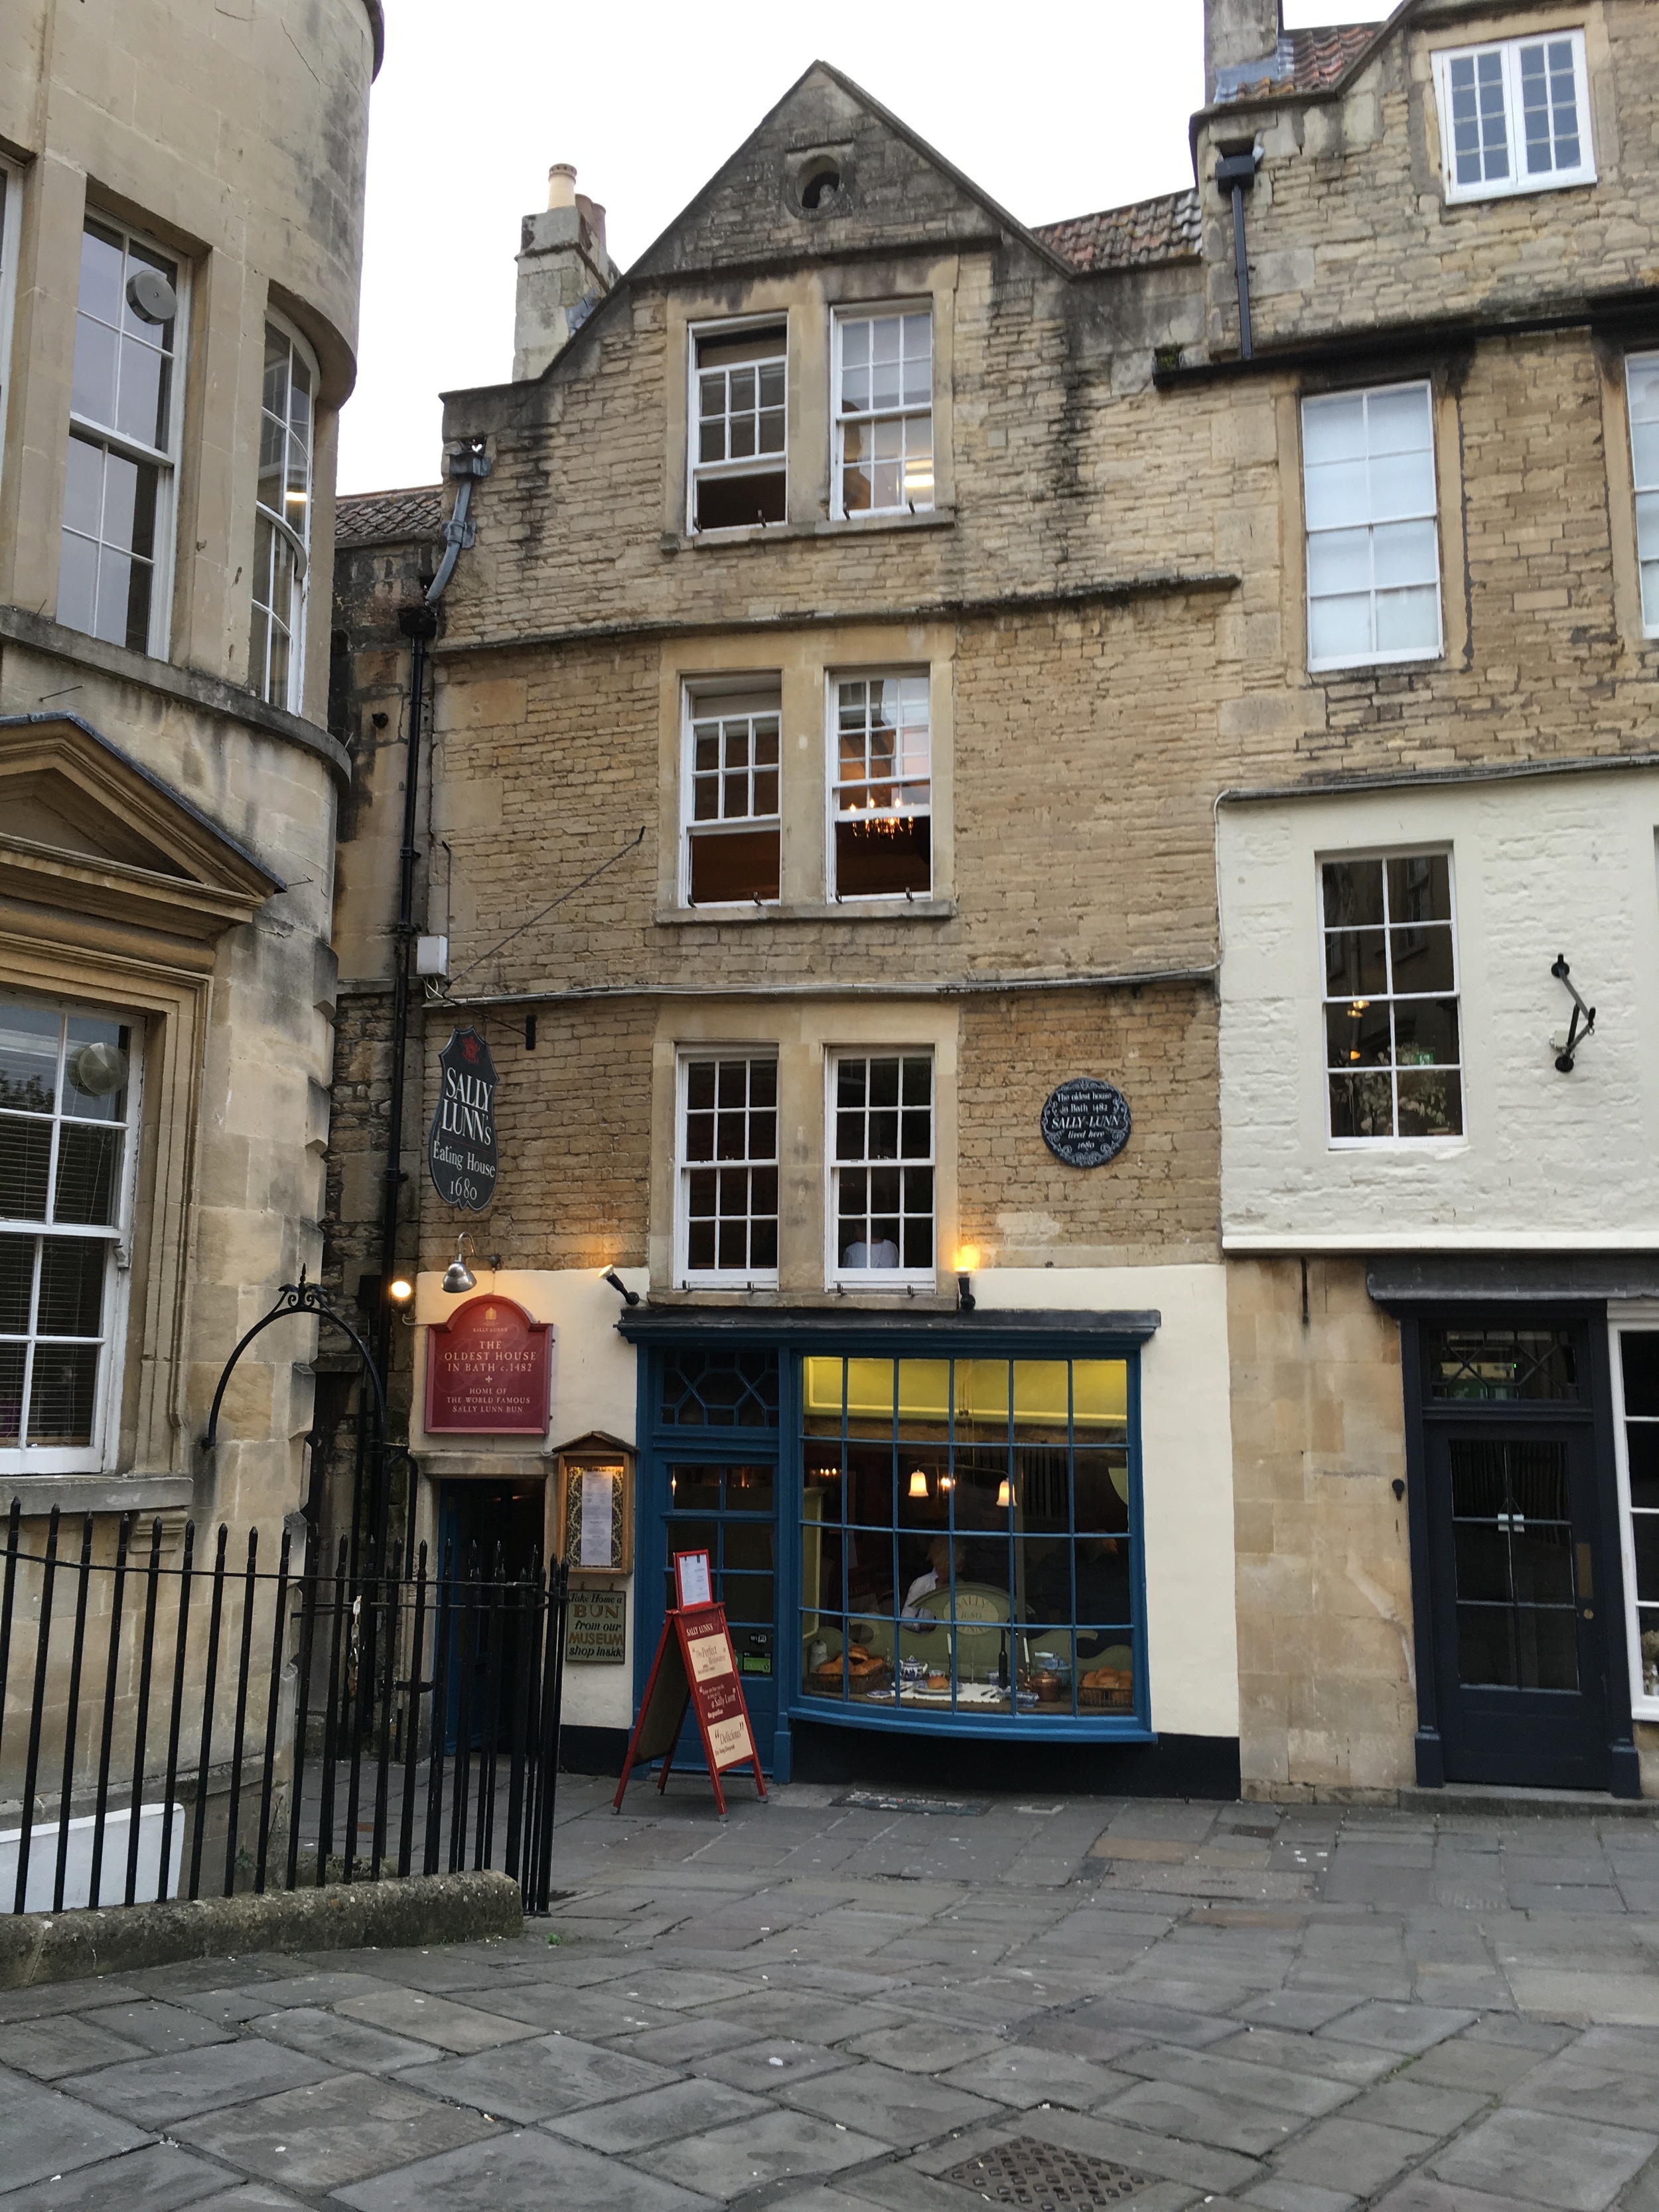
[1239,624]
[180,233]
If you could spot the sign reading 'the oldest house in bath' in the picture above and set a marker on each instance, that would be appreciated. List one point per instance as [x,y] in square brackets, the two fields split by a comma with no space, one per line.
[487,1371]
[460,1145]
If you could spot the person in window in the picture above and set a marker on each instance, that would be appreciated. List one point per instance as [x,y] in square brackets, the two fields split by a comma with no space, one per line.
[943,1556]
[881,1253]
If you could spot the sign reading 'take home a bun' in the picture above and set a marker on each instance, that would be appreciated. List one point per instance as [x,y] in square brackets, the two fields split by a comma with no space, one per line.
[460,1145]
[488,1369]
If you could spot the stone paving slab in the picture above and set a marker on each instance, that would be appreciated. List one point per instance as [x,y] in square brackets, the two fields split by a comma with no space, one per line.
[1298,2010]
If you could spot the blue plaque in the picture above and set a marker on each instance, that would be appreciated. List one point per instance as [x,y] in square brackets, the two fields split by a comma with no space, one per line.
[1085,1123]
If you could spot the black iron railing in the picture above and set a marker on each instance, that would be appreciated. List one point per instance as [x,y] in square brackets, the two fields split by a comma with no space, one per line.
[182,1728]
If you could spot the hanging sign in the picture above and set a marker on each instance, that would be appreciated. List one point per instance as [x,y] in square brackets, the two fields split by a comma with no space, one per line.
[695,1667]
[489,1370]
[1085,1123]
[460,1145]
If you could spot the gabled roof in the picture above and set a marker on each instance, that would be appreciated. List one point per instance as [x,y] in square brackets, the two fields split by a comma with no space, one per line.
[1137,236]
[371,518]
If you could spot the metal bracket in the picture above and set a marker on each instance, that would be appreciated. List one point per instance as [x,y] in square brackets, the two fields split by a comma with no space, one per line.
[1565,1053]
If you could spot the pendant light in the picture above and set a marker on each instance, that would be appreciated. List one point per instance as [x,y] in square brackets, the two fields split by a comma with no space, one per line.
[918,1483]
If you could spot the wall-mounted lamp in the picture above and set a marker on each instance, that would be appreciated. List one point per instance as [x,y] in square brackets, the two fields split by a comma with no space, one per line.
[947,1482]
[967,1262]
[628,1298]
[1005,1492]
[1565,1053]
[458,1276]
[400,1290]
[918,1483]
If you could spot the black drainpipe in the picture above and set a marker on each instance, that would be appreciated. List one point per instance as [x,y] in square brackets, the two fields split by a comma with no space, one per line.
[1236,174]
[419,624]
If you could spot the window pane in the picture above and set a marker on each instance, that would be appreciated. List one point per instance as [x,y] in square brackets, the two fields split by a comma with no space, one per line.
[16,1284]
[1353,892]
[1421,959]
[728,867]
[62,1395]
[1420,888]
[1408,621]
[1638,1351]
[1340,629]
[28,1057]
[1497,1364]
[25,1161]
[71,1301]
[1430,1105]
[13,1361]
[1362,1105]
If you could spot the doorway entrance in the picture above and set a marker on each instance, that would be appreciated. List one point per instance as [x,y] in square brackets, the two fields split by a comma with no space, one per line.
[490,1533]
[1511,1519]
[728,1508]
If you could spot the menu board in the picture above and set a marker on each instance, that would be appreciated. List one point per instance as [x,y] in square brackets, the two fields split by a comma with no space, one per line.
[694,1669]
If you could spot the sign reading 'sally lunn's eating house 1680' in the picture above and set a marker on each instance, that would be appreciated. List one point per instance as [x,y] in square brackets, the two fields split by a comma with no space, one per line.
[460,1145]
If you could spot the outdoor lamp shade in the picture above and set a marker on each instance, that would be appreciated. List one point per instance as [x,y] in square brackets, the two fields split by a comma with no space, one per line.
[918,1483]
[1005,1492]
[458,1276]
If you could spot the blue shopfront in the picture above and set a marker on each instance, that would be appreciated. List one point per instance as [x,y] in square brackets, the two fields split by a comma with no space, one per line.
[924,1525]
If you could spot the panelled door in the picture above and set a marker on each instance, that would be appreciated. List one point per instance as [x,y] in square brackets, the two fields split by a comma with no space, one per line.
[1520,1650]
[728,1508]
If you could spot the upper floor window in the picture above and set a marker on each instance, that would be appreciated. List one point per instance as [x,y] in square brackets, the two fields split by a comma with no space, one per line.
[66,1125]
[729,1169]
[881,793]
[1373,547]
[730,798]
[1394,1066]
[882,1169]
[281,530]
[1642,382]
[113,567]
[884,412]
[1515,117]
[740,441]
[1636,1387]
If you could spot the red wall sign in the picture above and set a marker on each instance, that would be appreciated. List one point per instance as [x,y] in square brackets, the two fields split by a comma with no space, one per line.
[489,1370]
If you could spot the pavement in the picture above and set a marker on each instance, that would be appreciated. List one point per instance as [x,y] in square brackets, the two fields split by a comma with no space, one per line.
[836,2005]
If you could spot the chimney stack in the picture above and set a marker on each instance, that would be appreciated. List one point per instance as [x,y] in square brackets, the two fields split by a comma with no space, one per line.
[1237,32]
[564,271]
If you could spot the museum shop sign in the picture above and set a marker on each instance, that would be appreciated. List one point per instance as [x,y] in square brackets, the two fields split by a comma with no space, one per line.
[460,1145]
[1085,1123]
[489,1371]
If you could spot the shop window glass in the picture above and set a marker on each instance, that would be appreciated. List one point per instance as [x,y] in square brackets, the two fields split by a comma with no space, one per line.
[968,1540]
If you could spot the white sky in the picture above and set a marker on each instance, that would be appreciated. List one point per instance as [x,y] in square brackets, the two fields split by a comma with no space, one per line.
[1085,108]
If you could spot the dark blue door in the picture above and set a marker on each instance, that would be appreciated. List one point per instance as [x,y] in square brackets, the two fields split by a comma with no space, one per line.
[728,1508]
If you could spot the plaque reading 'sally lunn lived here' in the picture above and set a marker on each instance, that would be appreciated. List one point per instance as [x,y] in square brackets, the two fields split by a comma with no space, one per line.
[460,1145]
[1085,1123]
[487,1371]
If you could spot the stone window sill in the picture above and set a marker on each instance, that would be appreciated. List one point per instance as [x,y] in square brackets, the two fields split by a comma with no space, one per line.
[714,541]
[77,1494]
[850,910]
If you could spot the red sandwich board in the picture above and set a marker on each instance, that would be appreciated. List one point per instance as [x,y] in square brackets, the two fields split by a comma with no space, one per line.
[695,1666]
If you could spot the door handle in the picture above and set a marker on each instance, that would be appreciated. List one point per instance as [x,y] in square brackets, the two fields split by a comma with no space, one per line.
[1586,1571]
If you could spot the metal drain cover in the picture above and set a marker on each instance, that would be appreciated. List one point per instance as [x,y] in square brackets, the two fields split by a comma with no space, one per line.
[1047,2178]
[884,1801]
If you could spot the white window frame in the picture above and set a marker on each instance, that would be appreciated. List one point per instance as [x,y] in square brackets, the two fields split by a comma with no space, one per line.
[1519,180]
[834,812]
[1642,1319]
[1641,492]
[749,465]
[1429,850]
[1396,655]
[11,232]
[717,1278]
[734,687]
[165,461]
[839,419]
[98,1456]
[298,541]
[900,1278]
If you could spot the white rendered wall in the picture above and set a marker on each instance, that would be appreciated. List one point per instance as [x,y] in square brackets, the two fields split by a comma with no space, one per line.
[1542,865]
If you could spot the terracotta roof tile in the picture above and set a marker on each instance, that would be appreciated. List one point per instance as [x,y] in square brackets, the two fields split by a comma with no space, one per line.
[1134,237]
[366,517]
[1302,61]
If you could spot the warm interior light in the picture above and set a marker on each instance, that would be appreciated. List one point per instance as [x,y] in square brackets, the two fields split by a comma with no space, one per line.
[1004,1495]
[400,1290]
[967,1259]
[918,1483]
[947,1482]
